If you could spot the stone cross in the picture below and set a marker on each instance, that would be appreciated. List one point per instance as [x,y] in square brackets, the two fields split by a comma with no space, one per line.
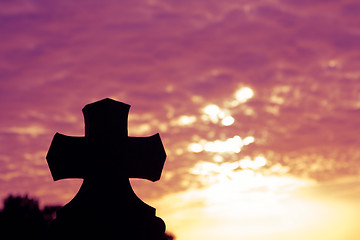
[106,205]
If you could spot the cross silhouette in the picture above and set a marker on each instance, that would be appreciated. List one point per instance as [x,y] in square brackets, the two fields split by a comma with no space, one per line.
[106,158]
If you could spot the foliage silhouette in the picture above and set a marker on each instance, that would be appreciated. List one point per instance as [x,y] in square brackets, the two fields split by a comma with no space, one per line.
[21,218]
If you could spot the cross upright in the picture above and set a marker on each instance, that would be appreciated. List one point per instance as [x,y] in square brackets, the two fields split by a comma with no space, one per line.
[106,158]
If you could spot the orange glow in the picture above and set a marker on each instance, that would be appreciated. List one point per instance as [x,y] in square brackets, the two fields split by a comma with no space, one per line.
[257,207]
[257,163]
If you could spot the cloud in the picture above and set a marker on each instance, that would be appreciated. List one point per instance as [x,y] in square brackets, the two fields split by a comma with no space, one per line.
[172,59]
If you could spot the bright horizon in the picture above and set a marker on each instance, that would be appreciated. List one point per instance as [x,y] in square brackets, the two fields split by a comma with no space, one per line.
[257,104]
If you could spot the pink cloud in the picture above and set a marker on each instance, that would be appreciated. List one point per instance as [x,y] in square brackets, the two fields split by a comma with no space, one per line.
[59,56]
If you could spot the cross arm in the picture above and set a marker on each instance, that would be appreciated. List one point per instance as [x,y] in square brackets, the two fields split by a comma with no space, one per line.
[66,157]
[77,157]
[145,157]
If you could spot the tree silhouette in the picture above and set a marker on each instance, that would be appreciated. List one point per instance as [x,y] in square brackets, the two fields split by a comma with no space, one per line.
[21,218]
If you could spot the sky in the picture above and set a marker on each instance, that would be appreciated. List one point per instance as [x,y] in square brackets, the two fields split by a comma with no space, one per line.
[257,104]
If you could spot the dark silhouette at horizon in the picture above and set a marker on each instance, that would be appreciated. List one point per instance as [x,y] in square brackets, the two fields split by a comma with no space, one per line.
[106,205]
[22,218]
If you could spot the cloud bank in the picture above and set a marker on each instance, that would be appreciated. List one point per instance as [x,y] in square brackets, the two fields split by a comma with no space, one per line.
[170,60]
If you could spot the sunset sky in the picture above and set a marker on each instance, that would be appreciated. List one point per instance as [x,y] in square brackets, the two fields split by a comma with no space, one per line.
[257,103]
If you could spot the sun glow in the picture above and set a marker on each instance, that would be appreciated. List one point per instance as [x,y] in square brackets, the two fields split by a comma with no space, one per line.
[257,163]
[239,201]
[247,205]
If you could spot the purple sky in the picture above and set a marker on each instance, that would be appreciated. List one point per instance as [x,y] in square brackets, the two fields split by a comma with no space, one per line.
[171,59]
